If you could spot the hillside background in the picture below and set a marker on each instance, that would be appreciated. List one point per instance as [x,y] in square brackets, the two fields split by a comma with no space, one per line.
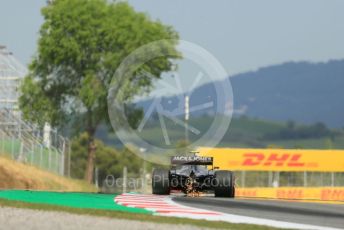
[291,105]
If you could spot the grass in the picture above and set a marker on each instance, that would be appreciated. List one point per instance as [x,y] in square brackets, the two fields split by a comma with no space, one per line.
[133,216]
[21,176]
[70,199]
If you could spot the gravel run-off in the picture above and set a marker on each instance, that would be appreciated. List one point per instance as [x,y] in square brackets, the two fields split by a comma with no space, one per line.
[26,219]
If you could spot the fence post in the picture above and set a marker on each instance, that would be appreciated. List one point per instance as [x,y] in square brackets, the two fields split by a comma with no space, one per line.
[41,157]
[32,153]
[69,157]
[332,179]
[21,153]
[12,147]
[275,182]
[62,168]
[304,179]
[125,172]
[270,179]
[49,159]
[243,175]
[21,149]
[2,143]
[96,173]
[57,160]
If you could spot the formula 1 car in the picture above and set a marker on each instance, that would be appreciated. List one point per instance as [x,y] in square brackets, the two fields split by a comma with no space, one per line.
[190,174]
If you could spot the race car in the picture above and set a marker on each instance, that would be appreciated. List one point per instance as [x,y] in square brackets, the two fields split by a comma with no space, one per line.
[193,175]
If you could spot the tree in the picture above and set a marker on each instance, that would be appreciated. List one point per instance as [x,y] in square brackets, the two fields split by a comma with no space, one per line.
[291,125]
[109,161]
[81,44]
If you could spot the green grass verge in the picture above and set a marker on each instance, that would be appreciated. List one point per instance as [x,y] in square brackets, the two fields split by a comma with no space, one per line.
[132,216]
[69,199]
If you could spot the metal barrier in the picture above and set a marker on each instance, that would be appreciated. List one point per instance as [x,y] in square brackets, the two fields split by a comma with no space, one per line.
[314,194]
[24,142]
[21,140]
[247,179]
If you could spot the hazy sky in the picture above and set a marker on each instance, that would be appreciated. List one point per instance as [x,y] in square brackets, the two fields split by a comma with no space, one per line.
[242,34]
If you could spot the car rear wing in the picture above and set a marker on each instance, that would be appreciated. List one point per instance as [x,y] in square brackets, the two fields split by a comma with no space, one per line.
[191,160]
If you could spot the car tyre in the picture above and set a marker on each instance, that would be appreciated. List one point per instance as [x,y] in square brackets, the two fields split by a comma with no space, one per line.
[161,182]
[224,184]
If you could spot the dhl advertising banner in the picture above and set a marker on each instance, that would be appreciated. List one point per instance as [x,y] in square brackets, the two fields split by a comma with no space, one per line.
[292,160]
[293,193]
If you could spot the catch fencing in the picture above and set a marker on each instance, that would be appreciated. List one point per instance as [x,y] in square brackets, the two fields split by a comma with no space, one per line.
[28,144]
[20,140]
[248,179]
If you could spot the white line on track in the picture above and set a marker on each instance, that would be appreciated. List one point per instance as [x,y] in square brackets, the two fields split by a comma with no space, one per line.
[165,206]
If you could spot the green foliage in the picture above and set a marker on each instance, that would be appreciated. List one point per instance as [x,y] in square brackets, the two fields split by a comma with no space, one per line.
[329,143]
[81,44]
[109,161]
[79,156]
[133,115]
[34,104]
[182,147]
[243,132]
[291,131]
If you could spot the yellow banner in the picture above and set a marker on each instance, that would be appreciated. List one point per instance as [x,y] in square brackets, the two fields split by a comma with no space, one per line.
[293,193]
[276,159]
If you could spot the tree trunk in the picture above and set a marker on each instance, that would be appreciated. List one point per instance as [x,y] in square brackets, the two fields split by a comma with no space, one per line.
[91,157]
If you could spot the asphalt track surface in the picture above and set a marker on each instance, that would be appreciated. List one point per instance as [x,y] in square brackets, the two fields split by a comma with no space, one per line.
[319,214]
